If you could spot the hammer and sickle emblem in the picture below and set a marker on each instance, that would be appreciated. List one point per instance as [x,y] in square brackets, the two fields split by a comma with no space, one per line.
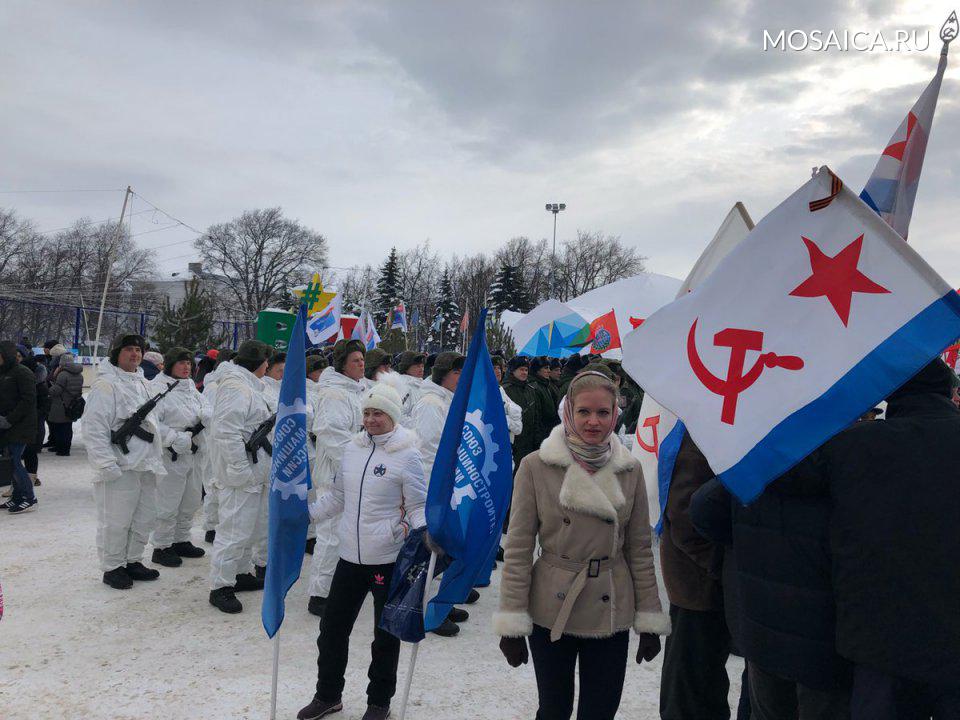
[650,422]
[739,341]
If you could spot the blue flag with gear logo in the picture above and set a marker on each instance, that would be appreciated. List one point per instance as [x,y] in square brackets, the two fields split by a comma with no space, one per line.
[289,483]
[472,481]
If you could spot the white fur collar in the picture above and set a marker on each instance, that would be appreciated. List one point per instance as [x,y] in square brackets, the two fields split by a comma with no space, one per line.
[401,440]
[599,494]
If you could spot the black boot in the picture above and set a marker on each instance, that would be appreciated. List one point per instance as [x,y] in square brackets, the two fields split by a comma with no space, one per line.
[209,536]
[138,571]
[319,708]
[472,597]
[118,579]
[375,712]
[458,615]
[224,600]
[448,629]
[166,557]
[260,571]
[311,544]
[188,550]
[499,554]
[247,582]
[317,605]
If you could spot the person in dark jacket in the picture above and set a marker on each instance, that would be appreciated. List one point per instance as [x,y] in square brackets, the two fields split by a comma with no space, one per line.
[18,424]
[894,540]
[64,391]
[572,365]
[539,378]
[782,594]
[31,454]
[694,682]
[151,364]
[518,389]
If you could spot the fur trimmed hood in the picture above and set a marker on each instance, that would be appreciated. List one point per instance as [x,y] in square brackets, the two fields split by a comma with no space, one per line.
[598,494]
[401,439]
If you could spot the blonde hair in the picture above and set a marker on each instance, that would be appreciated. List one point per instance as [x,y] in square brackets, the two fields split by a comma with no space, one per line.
[591,380]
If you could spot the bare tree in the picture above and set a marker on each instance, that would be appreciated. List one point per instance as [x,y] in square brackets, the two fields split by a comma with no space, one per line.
[593,260]
[261,255]
[357,288]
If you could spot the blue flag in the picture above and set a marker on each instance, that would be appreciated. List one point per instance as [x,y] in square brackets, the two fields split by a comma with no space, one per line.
[472,482]
[289,482]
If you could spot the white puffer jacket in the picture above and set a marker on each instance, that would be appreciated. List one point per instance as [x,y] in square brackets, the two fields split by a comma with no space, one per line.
[115,396]
[429,417]
[514,415]
[410,396]
[338,419]
[178,411]
[380,491]
[238,410]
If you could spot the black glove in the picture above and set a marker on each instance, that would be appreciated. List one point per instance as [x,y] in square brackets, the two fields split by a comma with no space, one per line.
[649,647]
[432,545]
[514,650]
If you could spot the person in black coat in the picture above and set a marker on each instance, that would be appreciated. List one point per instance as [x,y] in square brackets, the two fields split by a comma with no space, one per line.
[18,423]
[778,595]
[895,540]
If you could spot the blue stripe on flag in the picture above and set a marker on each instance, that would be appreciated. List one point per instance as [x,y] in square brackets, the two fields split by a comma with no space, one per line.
[887,367]
[666,460]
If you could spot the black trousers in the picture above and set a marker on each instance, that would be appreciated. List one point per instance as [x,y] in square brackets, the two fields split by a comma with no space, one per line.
[773,698]
[694,683]
[878,696]
[351,583]
[61,436]
[603,663]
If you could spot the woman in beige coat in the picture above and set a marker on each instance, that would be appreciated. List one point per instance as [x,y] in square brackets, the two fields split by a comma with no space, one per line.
[582,495]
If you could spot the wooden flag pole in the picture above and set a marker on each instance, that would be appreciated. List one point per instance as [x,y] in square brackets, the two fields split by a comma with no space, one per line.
[416,646]
[276,671]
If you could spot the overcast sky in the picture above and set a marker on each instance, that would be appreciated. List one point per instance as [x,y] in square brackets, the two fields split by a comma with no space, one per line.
[387,123]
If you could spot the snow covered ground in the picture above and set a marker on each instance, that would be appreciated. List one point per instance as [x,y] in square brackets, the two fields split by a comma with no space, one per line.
[70,647]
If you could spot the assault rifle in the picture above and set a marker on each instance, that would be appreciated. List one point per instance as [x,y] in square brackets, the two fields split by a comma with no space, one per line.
[132,425]
[260,439]
[194,431]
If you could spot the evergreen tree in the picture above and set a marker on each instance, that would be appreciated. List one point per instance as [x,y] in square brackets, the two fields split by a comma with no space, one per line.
[189,324]
[507,291]
[445,330]
[388,288]
[500,338]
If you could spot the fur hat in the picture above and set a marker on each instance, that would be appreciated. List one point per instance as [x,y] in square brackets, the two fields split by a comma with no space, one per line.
[57,350]
[384,397]
[342,350]
[375,359]
[408,358]
[316,362]
[518,361]
[122,341]
[252,353]
[498,361]
[538,364]
[445,362]
[175,355]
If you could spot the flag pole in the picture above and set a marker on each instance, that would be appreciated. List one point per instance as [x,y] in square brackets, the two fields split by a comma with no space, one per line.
[416,646]
[106,281]
[276,670]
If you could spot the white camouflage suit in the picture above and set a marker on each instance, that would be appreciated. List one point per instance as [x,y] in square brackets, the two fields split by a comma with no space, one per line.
[124,486]
[410,396]
[240,484]
[338,418]
[178,492]
[428,418]
[205,455]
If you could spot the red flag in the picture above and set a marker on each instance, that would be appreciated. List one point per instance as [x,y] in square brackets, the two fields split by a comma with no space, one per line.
[465,322]
[604,334]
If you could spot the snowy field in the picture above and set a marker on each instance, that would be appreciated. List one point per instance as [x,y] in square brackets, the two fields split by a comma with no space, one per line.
[70,647]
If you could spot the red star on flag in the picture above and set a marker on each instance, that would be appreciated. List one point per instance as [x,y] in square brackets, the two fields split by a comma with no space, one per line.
[836,278]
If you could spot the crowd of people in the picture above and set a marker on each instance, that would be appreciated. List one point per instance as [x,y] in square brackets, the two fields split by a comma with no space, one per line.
[836,586]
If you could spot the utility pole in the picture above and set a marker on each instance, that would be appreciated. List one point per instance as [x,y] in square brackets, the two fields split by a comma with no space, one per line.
[106,282]
[555,208]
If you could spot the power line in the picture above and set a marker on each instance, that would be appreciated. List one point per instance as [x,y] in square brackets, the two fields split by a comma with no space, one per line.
[73,190]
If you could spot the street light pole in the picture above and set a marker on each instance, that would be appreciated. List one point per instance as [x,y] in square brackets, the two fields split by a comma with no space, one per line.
[555,208]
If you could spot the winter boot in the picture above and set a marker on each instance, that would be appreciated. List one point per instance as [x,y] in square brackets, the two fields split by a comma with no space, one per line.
[188,550]
[311,544]
[166,557]
[499,554]
[224,600]
[247,582]
[472,597]
[209,536]
[138,571]
[447,629]
[458,615]
[118,579]
[319,709]
[317,605]
[375,712]
[260,571]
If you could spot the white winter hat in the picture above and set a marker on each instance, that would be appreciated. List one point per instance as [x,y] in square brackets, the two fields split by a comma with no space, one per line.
[383,397]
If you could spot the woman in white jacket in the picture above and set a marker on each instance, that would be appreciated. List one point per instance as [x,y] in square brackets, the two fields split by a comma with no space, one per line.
[178,492]
[379,493]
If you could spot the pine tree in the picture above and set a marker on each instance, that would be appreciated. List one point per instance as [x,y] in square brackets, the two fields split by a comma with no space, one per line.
[388,288]
[189,324]
[500,338]
[507,291]
[445,337]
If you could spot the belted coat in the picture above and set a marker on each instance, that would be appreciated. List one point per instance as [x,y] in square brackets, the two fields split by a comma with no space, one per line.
[595,575]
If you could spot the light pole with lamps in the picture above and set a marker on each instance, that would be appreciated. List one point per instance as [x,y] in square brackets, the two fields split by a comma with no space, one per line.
[555,208]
